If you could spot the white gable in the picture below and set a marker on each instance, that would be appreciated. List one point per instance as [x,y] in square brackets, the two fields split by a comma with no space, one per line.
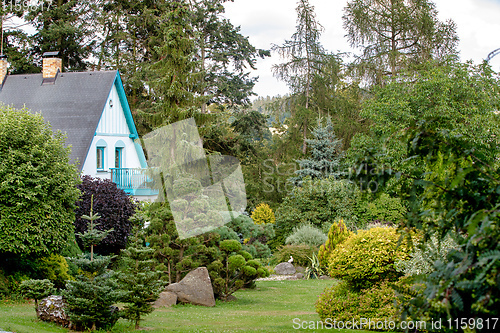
[113,119]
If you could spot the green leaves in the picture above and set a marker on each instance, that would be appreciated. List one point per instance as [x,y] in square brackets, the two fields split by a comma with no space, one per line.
[37,185]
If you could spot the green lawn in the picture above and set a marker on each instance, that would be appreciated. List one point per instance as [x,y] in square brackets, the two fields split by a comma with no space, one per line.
[271,307]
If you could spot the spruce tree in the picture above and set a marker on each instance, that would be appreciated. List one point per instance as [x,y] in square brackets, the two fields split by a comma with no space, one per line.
[139,281]
[325,155]
[90,297]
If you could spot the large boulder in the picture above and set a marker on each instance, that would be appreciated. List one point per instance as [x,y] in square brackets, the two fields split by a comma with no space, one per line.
[195,288]
[285,268]
[166,298]
[52,309]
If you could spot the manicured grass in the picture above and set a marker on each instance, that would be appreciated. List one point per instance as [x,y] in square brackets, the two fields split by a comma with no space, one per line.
[271,307]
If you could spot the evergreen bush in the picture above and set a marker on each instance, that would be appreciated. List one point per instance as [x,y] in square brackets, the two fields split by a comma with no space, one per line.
[37,290]
[337,234]
[368,257]
[343,304]
[138,280]
[56,269]
[263,214]
[233,270]
[306,235]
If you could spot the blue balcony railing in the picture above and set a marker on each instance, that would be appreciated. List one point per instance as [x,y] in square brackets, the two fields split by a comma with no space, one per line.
[132,181]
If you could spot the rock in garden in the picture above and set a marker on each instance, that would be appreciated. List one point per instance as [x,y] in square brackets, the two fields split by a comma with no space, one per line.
[285,268]
[324,277]
[299,276]
[166,298]
[52,309]
[195,288]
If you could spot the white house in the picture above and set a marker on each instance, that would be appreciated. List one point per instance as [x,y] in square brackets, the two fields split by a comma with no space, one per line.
[92,109]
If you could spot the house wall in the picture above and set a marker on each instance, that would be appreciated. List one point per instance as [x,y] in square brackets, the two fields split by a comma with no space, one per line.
[111,130]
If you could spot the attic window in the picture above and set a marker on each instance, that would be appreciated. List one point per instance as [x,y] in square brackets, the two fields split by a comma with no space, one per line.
[110,103]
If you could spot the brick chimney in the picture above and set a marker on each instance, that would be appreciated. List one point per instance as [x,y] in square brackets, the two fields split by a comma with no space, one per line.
[3,68]
[51,65]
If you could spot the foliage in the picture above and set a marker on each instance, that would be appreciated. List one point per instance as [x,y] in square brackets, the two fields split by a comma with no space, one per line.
[233,270]
[138,280]
[383,208]
[65,26]
[317,202]
[253,236]
[314,270]
[344,304]
[396,35]
[422,260]
[55,268]
[263,214]
[37,185]
[36,290]
[300,254]
[114,208]
[449,139]
[306,235]
[368,257]
[90,297]
[223,54]
[325,155]
[174,257]
[303,55]
[337,234]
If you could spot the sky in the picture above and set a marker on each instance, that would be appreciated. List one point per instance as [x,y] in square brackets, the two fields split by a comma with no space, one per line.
[268,22]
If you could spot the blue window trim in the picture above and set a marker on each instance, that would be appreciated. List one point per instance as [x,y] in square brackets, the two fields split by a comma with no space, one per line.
[101,149]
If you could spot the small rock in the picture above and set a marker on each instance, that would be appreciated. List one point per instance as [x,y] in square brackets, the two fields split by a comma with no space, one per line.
[285,268]
[324,277]
[300,269]
[52,309]
[231,298]
[299,276]
[166,298]
[195,288]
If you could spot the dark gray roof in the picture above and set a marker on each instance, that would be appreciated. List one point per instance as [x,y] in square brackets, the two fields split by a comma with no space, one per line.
[73,104]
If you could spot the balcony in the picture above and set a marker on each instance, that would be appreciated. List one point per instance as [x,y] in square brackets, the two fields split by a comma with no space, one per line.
[135,182]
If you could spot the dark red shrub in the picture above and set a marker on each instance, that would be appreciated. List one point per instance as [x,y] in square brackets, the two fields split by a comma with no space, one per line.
[115,208]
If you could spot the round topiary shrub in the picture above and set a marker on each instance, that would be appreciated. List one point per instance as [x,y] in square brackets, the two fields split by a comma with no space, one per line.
[343,304]
[368,257]
[263,214]
[114,207]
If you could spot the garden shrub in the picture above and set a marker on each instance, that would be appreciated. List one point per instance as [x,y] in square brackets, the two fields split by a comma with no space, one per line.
[306,235]
[343,304]
[337,234]
[113,205]
[253,236]
[300,254]
[233,270]
[55,268]
[263,214]
[37,290]
[421,261]
[37,186]
[383,208]
[318,203]
[368,257]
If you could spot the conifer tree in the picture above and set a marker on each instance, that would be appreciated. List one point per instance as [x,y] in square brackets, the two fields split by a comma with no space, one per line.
[325,155]
[140,282]
[90,297]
